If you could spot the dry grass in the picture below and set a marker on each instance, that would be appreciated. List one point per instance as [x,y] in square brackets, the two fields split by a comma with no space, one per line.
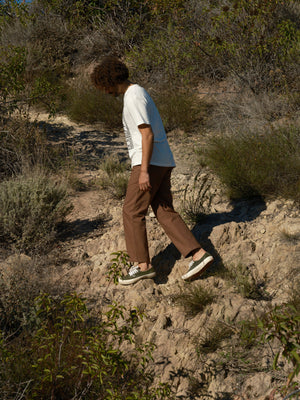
[194,298]
[115,178]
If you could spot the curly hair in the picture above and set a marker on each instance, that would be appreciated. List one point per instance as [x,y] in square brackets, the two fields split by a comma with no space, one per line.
[110,72]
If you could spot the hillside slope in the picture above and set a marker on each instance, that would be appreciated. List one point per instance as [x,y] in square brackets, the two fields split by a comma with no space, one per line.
[257,253]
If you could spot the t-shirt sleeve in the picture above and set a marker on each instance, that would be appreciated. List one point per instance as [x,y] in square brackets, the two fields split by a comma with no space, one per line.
[139,110]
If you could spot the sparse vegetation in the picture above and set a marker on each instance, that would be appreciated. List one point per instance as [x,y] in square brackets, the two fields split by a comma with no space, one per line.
[242,278]
[194,298]
[53,347]
[71,353]
[87,104]
[214,337]
[197,199]
[116,176]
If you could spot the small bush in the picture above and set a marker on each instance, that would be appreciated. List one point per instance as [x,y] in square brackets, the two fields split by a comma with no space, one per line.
[116,176]
[30,209]
[214,337]
[87,104]
[180,109]
[258,164]
[197,199]
[194,299]
[73,354]
[23,146]
[22,279]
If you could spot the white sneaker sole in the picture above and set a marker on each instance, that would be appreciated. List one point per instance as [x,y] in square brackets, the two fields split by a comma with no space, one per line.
[136,279]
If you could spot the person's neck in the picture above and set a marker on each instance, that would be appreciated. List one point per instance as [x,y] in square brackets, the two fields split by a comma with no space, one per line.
[122,87]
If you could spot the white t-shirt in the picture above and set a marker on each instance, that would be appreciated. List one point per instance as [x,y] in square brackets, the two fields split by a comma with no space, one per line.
[138,109]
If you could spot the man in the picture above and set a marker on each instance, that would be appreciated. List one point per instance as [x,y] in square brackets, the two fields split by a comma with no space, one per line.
[150,180]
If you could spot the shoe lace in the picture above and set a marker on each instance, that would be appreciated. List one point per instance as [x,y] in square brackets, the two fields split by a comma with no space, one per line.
[191,264]
[133,270]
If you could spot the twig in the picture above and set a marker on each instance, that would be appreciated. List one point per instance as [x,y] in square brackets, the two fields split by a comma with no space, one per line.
[292,394]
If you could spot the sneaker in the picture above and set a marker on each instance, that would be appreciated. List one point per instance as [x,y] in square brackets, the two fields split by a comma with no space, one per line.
[135,274]
[196,268]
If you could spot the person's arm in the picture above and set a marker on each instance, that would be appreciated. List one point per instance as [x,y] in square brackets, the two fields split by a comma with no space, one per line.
[147,148]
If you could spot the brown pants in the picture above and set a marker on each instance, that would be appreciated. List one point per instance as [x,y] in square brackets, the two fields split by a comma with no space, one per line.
[135,208]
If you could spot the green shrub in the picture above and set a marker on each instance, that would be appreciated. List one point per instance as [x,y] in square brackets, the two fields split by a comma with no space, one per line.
[255,42]
[30,209]
[180,108]
[282,323]
[250,164]
[12,80]
[87,104]
[73,354]
[22,279]
[165,57]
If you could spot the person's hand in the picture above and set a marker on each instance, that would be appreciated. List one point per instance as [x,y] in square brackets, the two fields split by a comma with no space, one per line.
[144,181]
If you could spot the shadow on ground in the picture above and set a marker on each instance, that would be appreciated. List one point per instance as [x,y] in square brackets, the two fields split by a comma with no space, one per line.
[86,146]
[79,228]
[242,211]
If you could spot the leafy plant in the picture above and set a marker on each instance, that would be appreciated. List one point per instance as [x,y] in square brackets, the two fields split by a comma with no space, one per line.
[12,79]
[283,323]
[119,262]
[71,354]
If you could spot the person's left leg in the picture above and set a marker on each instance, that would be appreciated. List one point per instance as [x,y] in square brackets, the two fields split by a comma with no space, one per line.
[177,230]
[171,221]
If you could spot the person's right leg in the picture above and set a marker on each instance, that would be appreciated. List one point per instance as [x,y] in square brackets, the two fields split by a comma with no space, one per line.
[135,209]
